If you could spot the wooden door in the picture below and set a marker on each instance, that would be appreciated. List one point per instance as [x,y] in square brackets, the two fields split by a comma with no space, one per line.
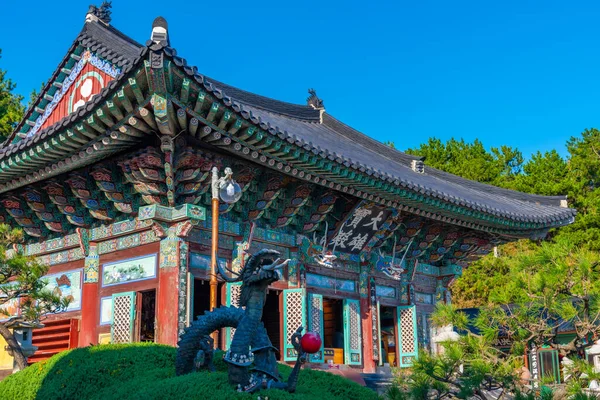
[315,324]
[352,333]
[408,342]
[123,323]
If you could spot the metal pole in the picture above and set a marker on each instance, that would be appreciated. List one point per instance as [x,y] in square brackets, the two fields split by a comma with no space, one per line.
[214,243]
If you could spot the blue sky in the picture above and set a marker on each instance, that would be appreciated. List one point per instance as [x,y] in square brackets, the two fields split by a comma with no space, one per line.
[520,73]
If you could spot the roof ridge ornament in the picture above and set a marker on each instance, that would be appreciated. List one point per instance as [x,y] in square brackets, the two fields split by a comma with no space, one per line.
[101,13]
[314,101]
[160,31]
[418,166]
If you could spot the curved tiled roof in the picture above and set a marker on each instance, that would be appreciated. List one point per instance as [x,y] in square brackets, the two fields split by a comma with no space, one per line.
[319,132]
[296,111]
[396,165]
[106,41]
[73,118]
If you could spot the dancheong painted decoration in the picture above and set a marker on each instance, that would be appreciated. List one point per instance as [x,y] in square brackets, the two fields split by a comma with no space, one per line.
[110,176]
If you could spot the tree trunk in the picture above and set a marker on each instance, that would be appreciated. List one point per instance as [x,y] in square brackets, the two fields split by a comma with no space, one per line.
[15,348]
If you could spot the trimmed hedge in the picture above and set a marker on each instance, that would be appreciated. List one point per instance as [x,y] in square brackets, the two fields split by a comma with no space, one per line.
[146,371]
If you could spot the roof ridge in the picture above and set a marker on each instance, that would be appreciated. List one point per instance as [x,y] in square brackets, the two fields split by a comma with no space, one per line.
[119,33]
[467,183]
[40,95]
[391,152]
[68,120]
[510,193]
[277,106]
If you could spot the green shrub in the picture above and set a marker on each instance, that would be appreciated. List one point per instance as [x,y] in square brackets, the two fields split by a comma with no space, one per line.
[82,373]
[146,371]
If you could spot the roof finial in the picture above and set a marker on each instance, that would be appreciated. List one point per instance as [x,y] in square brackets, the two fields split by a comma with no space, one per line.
[160,31]
[101,13]
[314,101]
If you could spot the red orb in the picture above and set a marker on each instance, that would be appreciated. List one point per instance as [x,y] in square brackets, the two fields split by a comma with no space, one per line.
[311,342]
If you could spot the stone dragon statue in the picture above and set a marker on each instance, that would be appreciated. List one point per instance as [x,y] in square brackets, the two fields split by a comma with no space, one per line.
[251,357]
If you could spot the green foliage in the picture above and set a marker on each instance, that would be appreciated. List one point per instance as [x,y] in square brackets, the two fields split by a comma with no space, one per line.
[11,107]
[394,392]
[34,95]
[472,160]
[21,284]
[546,393]
[545,173]
[390,144]
[464,370]
[531,289]
[583,396]
[21,279]
[519,395]
[584,194]
[146,371]
[577,175]
[550,286]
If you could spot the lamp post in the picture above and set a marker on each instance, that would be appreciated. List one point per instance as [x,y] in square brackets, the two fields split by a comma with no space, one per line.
[227,190]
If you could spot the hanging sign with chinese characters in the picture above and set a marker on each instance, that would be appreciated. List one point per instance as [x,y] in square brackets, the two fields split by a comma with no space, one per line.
[534,367]
[359,227]
[374,309]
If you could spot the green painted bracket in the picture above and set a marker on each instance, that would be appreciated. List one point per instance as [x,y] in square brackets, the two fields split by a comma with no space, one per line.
[172,214]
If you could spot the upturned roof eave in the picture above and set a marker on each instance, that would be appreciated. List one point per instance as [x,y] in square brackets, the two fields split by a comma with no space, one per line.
[76,44]
[560,216]
[555,218]
[19,149]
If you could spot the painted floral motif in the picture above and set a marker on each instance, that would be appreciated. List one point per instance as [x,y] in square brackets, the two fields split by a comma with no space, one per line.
[66,285]
[125,273]
[327,282]
[201,261]
[385,291]
[129,270]
[9,309]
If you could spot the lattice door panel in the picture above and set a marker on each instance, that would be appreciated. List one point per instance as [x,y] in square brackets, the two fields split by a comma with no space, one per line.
[352,332]
[294,316]
[315,323]
[123,305]
[233,299]
[408,344]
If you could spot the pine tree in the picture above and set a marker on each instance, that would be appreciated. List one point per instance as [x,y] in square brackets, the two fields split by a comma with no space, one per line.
[11,106]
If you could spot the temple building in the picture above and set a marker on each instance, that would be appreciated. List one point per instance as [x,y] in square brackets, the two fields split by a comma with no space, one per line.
[109,176]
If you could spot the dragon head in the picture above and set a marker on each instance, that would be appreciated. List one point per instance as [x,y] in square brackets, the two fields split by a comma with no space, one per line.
[260,266]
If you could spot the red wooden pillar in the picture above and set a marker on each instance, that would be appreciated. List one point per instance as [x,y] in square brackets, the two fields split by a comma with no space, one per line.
[167,296]
[90,299]
[367,336]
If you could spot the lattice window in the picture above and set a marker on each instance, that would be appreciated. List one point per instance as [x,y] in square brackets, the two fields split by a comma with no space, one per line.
[294,313]
[234,301]
[315,314]
[235,291]
[354,325]
[407,330]
[123,307]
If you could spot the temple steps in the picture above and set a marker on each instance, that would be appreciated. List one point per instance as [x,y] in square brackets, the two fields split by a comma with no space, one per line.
[54,337]
[50,337]
[50,330]
[379,381]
